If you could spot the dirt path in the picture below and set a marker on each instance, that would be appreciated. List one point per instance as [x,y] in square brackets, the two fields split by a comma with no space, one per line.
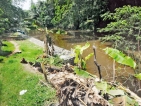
[31,69]
[27,66]
[17,50]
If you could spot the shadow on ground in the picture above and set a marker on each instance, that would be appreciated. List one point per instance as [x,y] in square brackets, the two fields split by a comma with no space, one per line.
[5,53]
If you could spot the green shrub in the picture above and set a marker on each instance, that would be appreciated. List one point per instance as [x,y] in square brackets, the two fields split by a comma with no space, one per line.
[124,28]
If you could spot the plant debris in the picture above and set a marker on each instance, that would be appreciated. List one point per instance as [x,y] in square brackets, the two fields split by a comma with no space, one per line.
[74,90]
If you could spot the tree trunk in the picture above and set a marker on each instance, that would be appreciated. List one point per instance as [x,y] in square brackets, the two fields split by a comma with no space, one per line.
[46,42]
[49,48]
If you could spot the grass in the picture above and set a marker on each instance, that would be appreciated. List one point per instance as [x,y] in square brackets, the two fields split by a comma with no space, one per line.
[7,49]
[29,51]
[13,79]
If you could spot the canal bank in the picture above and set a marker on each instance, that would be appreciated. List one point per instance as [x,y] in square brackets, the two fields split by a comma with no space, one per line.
[123,73]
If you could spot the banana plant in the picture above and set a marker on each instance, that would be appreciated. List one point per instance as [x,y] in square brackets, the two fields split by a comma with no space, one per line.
[119,57]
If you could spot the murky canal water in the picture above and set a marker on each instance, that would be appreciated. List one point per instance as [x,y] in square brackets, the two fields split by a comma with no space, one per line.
[68,42]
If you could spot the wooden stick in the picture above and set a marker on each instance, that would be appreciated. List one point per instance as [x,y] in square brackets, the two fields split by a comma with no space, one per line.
[44,71]
[114,71]
[98,66]
[82,102]
[42,82]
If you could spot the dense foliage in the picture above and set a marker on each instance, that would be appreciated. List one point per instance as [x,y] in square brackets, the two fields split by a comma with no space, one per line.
[10,16]
[42,13]
[69,14]
[124,30]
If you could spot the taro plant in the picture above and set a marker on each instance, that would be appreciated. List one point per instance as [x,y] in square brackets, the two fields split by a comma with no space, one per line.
[119,57]
[80,61]
[116,92]
[78,55]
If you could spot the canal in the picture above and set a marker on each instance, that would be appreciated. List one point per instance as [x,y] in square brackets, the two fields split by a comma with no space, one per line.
[73,38]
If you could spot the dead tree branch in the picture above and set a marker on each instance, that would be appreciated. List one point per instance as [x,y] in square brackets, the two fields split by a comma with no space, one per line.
[95,61]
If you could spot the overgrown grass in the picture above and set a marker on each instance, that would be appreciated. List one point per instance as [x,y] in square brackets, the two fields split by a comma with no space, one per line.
[13,79]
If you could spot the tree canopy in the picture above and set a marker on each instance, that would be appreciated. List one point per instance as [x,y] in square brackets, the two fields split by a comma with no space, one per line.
[69,14]
[124,30]
[10,15]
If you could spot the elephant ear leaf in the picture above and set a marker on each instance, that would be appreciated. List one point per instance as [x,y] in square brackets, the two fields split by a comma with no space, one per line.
[77,52]
[119,57]
[116,92]
[84,47]
[102,86]
[81,73]
[89,56]
[138,76]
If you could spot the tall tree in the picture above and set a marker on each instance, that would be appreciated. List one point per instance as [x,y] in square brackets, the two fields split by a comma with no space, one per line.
[125,29]
[43,12]
[9,16]
[12,13]
[78,14]
[73,14]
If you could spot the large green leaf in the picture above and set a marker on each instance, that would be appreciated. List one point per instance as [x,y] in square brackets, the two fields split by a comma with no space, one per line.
[89,56]
[51,60]
[131,102]
[76,60]
[119,57]
[102,86]
[77,53]
[77,49]
[138,76]
[81,73]
[84,47]
[116,92]
[83,64]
